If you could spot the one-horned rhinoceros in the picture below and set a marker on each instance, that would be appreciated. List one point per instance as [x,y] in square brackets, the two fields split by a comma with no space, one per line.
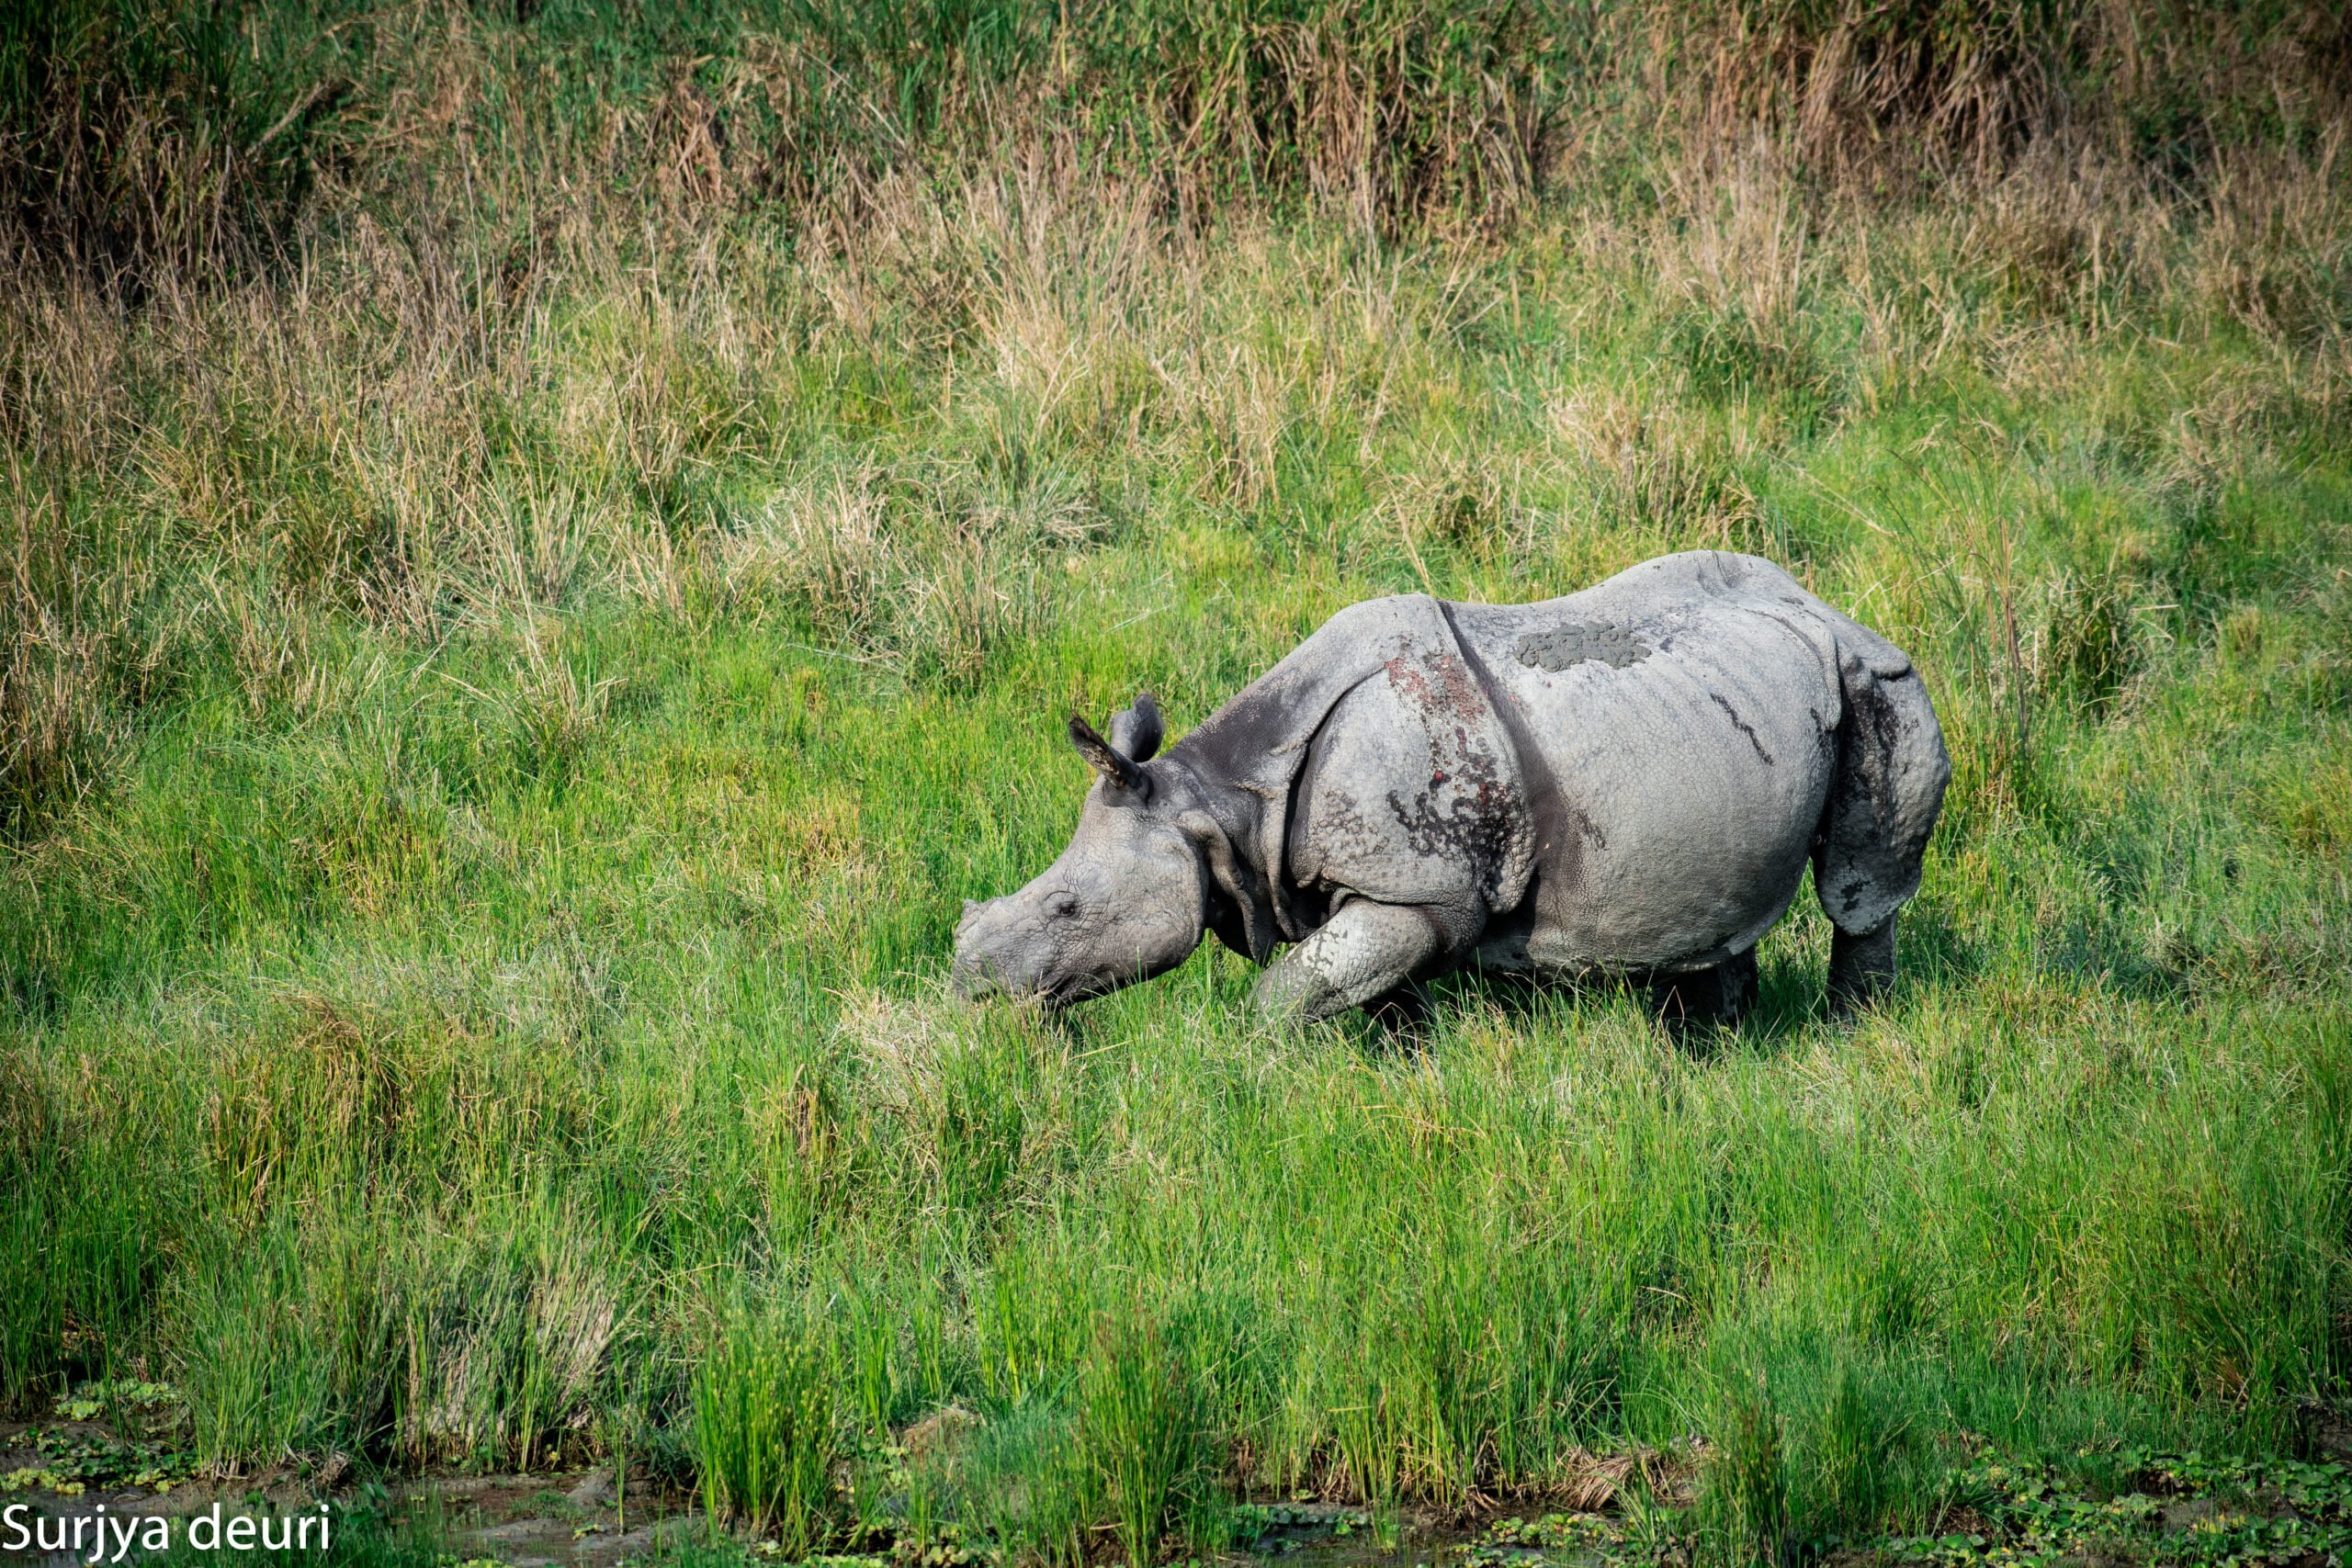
[1629,780]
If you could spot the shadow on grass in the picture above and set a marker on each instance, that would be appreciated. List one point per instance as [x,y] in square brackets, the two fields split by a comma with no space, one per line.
[1791,996]
[1792,992]
[1785,1005]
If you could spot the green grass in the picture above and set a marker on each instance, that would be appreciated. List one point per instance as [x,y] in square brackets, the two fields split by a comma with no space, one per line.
[765,1433]
[502,710]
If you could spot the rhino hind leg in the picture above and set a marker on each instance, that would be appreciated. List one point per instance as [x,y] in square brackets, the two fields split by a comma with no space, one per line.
[1719,995]
[1862,964]
[1364,953]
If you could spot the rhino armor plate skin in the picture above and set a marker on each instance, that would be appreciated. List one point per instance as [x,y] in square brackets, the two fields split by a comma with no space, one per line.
[1628,780]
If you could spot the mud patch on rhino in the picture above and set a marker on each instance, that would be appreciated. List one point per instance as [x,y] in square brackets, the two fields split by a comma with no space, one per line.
[1741,725]
[1477,826]
[1582,642]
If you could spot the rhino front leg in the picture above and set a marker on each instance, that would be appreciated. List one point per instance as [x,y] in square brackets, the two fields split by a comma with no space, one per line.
[1365,951]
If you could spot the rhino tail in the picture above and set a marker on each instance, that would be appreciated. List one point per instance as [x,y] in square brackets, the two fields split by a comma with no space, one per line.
[1889,785]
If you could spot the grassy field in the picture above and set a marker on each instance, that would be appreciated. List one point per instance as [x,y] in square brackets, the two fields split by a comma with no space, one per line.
[512,671]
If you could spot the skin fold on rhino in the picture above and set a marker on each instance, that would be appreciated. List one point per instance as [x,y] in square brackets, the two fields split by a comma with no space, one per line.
[1630,780]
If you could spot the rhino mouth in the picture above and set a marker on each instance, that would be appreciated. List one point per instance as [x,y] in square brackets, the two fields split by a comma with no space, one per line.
[1072,989]
[978,977]
[979,983]
[982,976]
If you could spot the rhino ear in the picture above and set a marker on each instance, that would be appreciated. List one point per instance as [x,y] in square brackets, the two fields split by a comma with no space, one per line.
[1135,731]
[1117,771]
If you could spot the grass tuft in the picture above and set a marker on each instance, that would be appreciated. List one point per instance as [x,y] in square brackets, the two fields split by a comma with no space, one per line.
[1744,1498]
[765,1433]
[1147,1429]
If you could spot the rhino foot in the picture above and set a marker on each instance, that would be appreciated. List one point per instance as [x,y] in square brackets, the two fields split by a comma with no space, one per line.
[1405,1013]
[1862,967]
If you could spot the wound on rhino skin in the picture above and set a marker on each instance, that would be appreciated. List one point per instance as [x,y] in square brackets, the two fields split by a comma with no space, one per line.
[1582,642]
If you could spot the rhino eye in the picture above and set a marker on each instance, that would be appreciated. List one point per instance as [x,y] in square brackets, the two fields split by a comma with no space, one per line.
[1062,907]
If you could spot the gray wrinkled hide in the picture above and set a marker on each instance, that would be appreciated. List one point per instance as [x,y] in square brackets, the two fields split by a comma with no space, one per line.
[1629,779]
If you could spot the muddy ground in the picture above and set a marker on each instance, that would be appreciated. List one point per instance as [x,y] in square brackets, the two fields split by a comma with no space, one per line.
[559,1519]
[574,1519]
[2153,1509]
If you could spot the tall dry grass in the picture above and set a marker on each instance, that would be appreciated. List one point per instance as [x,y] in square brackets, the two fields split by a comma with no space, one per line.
[418,425]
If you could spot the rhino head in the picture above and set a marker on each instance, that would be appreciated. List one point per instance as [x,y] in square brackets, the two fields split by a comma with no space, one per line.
[1128,898]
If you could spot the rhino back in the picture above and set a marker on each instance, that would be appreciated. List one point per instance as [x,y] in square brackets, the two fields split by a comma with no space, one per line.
[1687,713]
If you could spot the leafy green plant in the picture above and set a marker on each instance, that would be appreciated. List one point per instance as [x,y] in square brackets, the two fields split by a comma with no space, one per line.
[70,1462]
[2186,1509]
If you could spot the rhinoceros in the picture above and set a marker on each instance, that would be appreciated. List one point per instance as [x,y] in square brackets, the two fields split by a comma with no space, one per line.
[1628,781]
